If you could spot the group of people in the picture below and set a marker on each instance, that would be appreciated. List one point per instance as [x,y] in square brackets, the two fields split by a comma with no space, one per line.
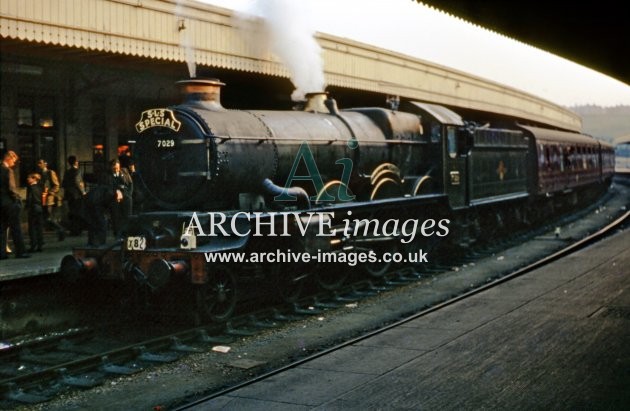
[41,196]
[111,193]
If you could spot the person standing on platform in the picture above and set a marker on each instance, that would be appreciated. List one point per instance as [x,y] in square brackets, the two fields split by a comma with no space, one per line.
[98,200]
[127,163]
[35,211]
[10,207]
[74,191]
[122,188]
[137,197]
[50,199]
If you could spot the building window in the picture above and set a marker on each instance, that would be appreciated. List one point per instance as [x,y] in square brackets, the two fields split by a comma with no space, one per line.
[25,117]
[37,133]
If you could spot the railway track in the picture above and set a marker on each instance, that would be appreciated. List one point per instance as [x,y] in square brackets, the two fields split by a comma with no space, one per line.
[37,370]
[42,367]
[575,246]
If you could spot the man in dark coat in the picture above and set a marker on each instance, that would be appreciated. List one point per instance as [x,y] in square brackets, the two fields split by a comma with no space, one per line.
[35,211]
[10,207]
[122,189]
[74,191]
[98,201]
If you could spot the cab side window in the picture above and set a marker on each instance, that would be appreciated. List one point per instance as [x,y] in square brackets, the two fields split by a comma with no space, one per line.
[436,132]
[451,135]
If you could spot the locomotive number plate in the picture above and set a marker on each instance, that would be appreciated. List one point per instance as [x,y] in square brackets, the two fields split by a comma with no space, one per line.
[136,243]
[166,143]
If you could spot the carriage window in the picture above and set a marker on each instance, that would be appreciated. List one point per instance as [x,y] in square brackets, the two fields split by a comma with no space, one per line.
[585,158]
[560,157]
[451,136]
[556,160]
[547,158]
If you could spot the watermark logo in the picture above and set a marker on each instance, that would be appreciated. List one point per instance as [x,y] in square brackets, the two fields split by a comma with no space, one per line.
[305,156]
[285,224]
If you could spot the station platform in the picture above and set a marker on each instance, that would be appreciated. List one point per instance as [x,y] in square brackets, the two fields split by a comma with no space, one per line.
[555,338]
[40,263]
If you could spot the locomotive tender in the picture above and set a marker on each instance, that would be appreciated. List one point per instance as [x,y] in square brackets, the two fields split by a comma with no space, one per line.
[426,163]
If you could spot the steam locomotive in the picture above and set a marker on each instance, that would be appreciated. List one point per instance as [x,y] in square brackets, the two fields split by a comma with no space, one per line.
[327,181]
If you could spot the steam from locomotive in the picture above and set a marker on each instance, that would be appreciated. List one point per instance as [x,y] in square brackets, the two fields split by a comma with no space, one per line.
[286,31]
[185,40]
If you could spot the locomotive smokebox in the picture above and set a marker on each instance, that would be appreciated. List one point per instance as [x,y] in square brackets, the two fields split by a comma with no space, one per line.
[202,92]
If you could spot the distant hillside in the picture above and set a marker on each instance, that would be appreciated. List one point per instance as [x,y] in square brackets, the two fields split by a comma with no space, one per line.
[604,122]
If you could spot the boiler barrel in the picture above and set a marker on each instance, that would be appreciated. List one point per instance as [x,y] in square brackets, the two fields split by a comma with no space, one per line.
[215,155]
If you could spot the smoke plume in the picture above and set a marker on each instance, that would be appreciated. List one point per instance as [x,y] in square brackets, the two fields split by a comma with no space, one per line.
[285,30]
[185,40]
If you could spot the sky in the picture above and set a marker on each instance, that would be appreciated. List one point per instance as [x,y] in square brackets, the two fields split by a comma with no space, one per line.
[416,30]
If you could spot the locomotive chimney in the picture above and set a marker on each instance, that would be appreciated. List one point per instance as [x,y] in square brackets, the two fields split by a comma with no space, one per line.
[205,93]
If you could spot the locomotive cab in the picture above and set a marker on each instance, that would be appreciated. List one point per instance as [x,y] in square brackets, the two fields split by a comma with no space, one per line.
[449,143]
